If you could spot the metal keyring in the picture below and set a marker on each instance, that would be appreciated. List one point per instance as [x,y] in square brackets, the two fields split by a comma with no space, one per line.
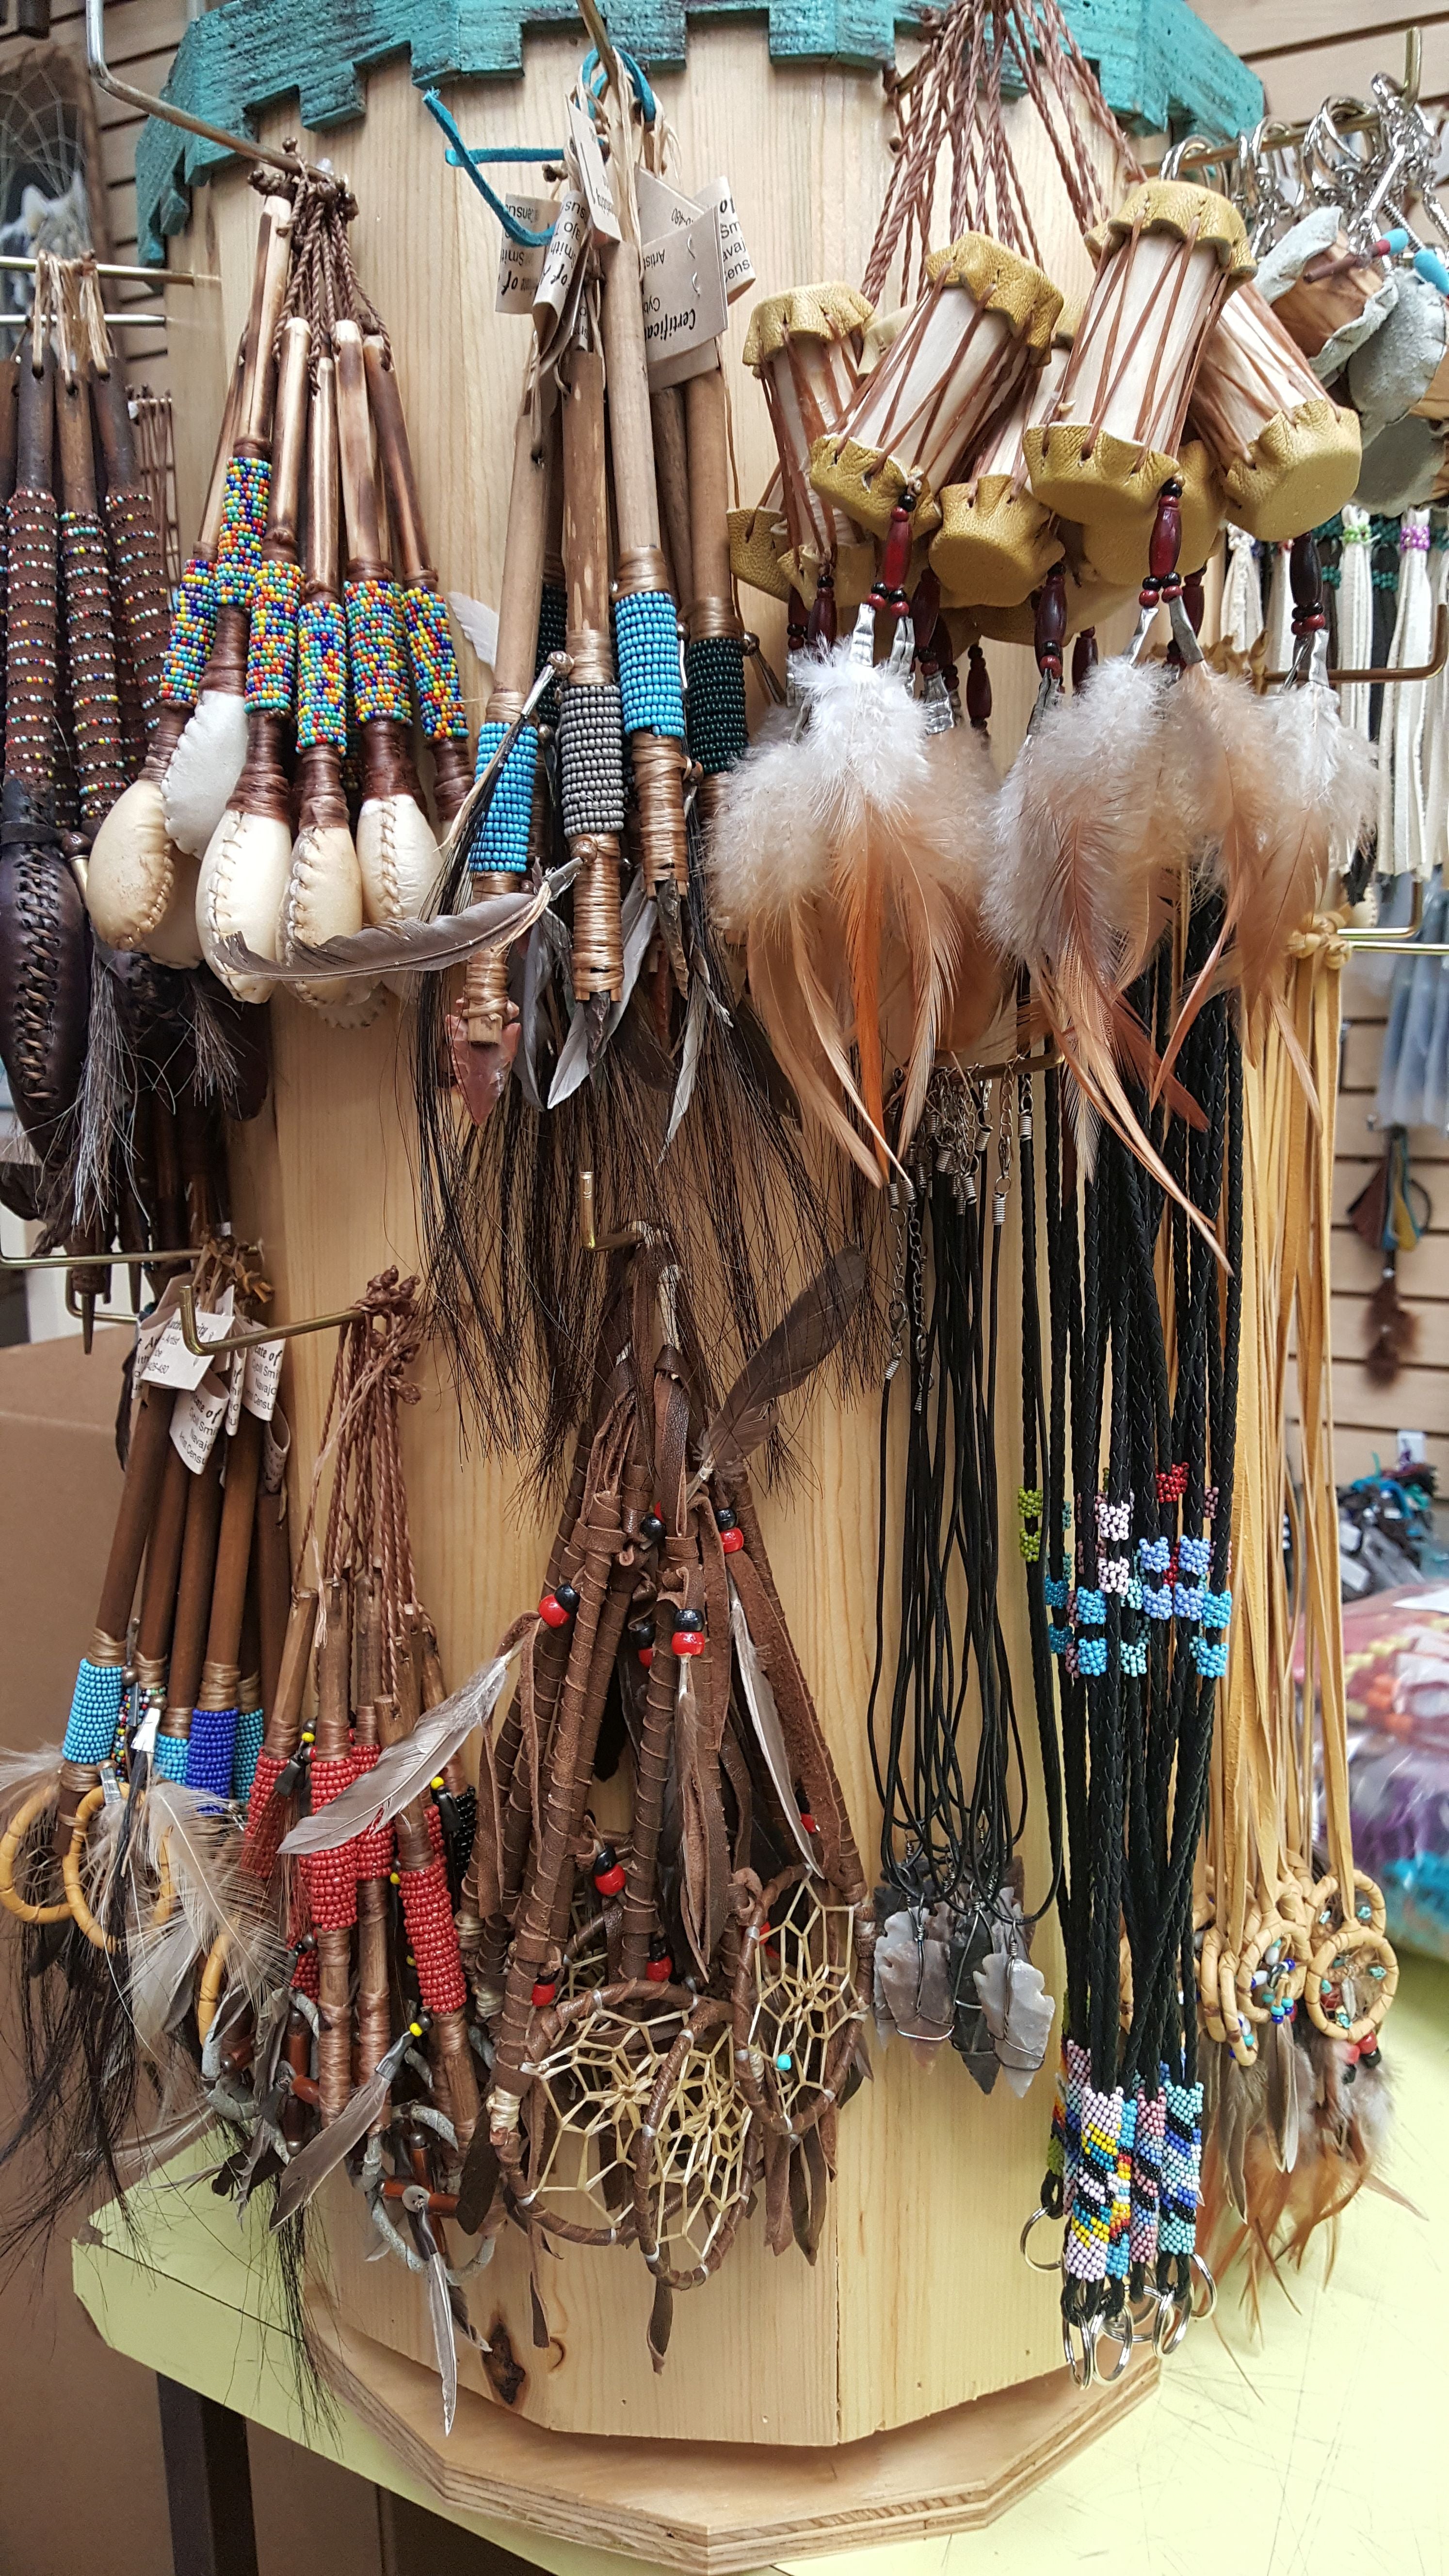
[1201,2315]
[1083,2368]
[1038,2214]
[1108,2332]
[1167,2339]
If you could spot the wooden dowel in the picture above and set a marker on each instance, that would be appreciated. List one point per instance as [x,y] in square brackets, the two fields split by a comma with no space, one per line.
[273,1558]
[234,1545]
[163,1561]
[193,1591]
[359,480]
[289,442]
[672,474]
[284,1708]
[395,454]
[145,1465]
[631,439]
[269,287]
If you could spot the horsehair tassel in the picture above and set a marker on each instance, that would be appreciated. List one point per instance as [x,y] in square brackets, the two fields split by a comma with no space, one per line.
[244,874]
[715,658]
[646,620]
[395,846]
[267,1804]
[207,761]
[331,1877]
[212,1743]
[90,642]
[502,846]
[425,616]
[135,543]
[590,730]
[96,1708]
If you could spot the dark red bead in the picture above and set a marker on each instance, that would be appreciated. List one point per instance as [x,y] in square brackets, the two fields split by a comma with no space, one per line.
[685,1642]
[552,1612]
[646,1657]
[731,1540]
[545,1990]
[659,1971]
[609,1881]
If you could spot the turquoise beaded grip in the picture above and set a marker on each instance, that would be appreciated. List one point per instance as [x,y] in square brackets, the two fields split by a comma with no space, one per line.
[647,641]
[95,1711]
[502,846]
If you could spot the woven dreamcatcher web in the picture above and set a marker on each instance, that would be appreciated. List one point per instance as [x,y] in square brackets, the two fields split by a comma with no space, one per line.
[582,2115]
[46,171]
[805,2004]
[974,60]
[694,2158]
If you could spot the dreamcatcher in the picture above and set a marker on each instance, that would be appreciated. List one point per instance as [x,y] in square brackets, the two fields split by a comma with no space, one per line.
[52,186]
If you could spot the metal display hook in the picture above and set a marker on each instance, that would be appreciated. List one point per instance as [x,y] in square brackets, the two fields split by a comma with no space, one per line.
[1379,675]
[241,144]
[252,1338]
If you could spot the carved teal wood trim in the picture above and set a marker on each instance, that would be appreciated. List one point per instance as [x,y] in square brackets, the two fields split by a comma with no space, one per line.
[1159,65]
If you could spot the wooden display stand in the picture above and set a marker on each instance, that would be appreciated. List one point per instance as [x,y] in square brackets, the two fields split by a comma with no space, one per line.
[919,2303]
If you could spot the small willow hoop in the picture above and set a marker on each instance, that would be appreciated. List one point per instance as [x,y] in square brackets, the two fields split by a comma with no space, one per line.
[70,1870]
[213,1977]
[1326,1889]
[10,1844]
[1038,2214]
[1349,1942]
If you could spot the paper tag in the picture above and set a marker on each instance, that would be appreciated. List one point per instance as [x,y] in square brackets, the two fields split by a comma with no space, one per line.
[276,1442]
[560,262]
[662,209]
[171,1363]
[739,270]
[593,177]
[144,1739]
[263,1368]
[520,264]
[683,288]
[196,1419]
[235,1389]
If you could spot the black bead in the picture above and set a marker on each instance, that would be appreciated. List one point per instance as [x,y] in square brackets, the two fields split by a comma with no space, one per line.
[605,1859]
[691,1621]
[642,1632]
[566,1597]
[726,1520]
[651,1528]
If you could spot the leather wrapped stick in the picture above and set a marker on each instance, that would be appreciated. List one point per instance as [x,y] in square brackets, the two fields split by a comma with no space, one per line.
[718,733]
[159,1584]
[44,948]
[211,1748]
[90,1734]
[373,1851]
[502,850]
[433,661]
[532,1967]
[646,619]
[141,595]
[590,728]
[278,1770]
[248,859]
[396,849]
[207,761]
[193,1618]
[324,891]
[86,586]
[331,1876]
[432,1933]
[132,882]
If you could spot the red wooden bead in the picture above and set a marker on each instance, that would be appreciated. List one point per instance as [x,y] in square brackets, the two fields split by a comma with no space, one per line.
[545,1991]
[609,1881]
[731,1540]
[646,1657]
[659,1971]
[552,1612]
[685,1642]
[808,1821]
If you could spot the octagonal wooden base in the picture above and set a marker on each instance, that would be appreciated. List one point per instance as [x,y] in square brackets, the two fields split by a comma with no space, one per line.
[716,2507]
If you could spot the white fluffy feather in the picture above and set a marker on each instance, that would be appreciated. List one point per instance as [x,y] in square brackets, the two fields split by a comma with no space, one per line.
[204,768]
[1072,826]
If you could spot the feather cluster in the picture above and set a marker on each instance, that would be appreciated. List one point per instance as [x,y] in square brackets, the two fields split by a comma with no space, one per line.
[839,854]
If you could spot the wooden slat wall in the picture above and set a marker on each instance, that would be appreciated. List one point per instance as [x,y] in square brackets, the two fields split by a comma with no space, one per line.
[141,37]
